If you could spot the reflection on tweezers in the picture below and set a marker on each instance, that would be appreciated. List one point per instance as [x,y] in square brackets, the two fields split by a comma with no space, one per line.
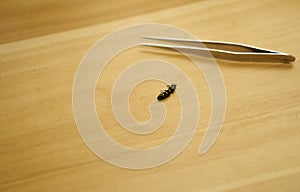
[221,50]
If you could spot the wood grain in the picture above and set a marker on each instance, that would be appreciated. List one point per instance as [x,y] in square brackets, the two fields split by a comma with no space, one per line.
[21,20]
[41,149]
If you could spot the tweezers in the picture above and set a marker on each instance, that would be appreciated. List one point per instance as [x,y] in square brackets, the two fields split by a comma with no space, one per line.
[221,50]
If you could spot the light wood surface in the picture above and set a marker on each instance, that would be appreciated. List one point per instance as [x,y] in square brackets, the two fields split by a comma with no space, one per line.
[42,46]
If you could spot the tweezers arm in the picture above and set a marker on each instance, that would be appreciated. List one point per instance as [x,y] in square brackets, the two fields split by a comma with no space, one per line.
[254,57]
[222,50]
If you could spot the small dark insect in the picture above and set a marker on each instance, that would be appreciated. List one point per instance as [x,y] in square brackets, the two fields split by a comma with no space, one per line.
[166,93]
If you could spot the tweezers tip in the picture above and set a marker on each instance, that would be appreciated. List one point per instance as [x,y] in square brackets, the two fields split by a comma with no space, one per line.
[289,59]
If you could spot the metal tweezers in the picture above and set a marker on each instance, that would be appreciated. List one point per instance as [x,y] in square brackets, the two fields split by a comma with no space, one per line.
[221,50]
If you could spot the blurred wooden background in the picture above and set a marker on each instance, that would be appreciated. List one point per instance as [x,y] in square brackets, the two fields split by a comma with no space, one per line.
[42,44]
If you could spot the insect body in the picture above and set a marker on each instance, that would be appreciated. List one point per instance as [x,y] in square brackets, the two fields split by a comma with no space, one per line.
[166,93]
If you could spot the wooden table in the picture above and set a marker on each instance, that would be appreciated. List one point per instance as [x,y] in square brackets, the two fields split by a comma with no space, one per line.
[42,44]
